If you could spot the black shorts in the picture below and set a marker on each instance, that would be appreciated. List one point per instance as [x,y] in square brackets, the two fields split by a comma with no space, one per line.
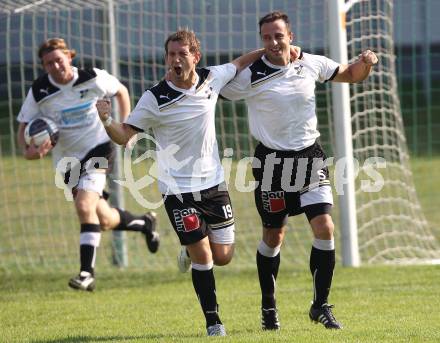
[278,194]
[199,213]
[106,150]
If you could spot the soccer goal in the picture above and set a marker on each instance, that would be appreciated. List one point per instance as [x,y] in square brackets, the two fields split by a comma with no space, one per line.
[39,229]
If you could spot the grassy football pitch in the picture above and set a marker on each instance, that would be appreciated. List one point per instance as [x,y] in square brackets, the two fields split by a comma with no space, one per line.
[374,303]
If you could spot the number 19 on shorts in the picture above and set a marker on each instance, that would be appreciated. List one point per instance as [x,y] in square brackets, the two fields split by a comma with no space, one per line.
[227,211]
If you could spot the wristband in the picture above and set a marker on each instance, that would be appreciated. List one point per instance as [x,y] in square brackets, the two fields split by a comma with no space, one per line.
[108,121]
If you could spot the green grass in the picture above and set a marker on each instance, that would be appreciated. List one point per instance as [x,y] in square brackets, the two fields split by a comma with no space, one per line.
[375,304]
[380,304]
[426,176]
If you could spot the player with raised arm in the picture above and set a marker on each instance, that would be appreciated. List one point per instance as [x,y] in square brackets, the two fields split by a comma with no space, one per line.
[67,96]
[280,96]
[180,111]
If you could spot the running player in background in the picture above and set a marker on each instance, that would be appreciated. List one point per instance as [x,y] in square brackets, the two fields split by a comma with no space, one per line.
[67,95]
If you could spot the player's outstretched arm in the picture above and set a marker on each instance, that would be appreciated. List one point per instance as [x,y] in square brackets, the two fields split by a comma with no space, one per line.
[32,152]
[357,71]
[119,133]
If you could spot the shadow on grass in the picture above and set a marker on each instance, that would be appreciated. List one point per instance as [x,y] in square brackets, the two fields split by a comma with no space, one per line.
[47,282]
[53,282]
[85,339]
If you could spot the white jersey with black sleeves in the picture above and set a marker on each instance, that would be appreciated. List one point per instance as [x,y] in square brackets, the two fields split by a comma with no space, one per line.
[281,99]
[72,108]
[183,125]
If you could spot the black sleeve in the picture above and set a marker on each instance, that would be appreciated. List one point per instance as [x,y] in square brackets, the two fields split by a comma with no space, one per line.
[333,75]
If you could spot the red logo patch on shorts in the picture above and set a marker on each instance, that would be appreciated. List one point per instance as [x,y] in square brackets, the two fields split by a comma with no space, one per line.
[191,222]
[273,201]
[186,220]
[277,205]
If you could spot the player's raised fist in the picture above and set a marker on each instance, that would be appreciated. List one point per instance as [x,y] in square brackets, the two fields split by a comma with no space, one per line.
[104,108]
[368,57]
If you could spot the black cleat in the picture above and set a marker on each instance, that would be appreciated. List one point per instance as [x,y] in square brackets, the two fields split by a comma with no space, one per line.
[151,235]
[269,319]
[84,281]
[324,316]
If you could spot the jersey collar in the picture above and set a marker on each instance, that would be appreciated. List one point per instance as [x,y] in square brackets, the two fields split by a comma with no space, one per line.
[192,90]
[274,66]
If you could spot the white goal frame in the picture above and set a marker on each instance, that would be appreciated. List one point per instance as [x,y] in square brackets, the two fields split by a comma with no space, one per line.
[343,133]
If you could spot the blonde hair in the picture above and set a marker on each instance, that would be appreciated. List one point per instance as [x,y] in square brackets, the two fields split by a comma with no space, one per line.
[55,44]
[185,36]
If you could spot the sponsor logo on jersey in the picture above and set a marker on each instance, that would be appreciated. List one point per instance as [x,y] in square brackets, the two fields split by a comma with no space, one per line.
[273,201]
[165,96]
[261,73]
[81,115]
[44,90]
[186,220]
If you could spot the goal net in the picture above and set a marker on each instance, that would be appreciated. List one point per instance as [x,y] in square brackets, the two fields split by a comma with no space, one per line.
[39,229]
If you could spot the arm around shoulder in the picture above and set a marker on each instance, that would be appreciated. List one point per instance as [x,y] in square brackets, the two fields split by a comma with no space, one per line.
[244,60]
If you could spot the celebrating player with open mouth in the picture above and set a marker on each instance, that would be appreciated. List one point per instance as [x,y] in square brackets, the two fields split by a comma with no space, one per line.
[181,112]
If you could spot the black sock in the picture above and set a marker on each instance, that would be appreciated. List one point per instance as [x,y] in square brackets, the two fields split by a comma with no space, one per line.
[130,222]
[322,264]
[87,252]
[267,274]
[204,285]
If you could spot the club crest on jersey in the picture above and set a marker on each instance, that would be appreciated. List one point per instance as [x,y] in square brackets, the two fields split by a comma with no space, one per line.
[186,220]
[208,92]
[83,93]
[273,201]
[298,69]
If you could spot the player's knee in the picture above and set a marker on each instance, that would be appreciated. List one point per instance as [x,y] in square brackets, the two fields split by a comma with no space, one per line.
[222,257]
[222,260]
[323,227]
[105,223]
[273,237]
[85,208]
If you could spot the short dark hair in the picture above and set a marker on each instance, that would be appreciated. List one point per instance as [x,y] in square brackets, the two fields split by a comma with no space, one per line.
[55,44]
[271,17]
[185,36]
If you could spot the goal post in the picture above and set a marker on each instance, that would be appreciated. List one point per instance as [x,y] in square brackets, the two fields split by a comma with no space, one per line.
[343,133]
[120,255]
[392,227]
